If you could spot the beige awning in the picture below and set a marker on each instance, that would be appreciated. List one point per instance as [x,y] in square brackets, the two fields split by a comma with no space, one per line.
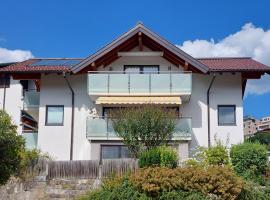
[139,100]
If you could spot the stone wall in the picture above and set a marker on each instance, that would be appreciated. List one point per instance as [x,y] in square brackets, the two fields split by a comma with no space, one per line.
[50,189]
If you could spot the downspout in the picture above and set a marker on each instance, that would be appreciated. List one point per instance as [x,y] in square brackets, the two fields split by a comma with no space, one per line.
[72,116]
[208,110]
[4,96]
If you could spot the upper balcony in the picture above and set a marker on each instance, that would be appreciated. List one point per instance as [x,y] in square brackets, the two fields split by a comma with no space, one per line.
[31,103]
[134,84]
[31,99]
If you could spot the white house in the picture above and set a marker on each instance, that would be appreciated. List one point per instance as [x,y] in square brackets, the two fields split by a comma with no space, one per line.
[72,96]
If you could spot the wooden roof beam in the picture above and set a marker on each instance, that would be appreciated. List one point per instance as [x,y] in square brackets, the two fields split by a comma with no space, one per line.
[26,76]
[186,66]
[140,41]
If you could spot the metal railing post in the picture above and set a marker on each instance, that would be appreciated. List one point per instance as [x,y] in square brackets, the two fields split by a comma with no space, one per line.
[150,84]
[170,82]
[129,83]
[108,83]
[107,128]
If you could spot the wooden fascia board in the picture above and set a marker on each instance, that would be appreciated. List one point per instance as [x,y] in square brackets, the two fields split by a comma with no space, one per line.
[175,50]
[140,28]
[103,51]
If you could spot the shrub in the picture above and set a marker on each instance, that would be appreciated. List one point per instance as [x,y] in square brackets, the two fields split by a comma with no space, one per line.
[122,191]
[267,174]
[262,138]
[29,161]
[214,155]
[249,159]
[182,195]
[252,191]
[217,155]
[212,180]
[11,146]
[160,156]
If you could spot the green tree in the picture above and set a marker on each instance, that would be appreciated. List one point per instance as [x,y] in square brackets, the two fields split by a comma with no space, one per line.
[11,146]
[262,138]
[144,127]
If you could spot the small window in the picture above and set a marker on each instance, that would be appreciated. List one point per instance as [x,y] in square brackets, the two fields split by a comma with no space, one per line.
[54,115]
[226,115]
[114,152]
[4,81]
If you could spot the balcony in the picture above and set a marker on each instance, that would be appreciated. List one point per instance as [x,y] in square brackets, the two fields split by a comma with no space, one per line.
[131,84]
[31,99]
[102,129]
[30,139]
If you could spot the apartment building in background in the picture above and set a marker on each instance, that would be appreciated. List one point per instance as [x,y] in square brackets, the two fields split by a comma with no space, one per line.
[264,124]
[251,126]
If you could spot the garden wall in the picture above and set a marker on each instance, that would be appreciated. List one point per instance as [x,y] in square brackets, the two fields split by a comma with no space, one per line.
[64,179]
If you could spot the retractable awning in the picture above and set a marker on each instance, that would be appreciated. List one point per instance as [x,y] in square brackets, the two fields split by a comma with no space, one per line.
[139,100]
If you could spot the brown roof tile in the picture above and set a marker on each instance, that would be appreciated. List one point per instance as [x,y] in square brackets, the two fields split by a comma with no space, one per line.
[234,64]
[26,66]
[214,65]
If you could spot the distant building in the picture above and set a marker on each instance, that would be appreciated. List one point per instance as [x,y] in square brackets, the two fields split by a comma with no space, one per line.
[251,126]
[264,124]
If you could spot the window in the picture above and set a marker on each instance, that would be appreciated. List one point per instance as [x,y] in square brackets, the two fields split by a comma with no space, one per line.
[4,81]
[55,115]
[143,69]
[226,115]
[114,152]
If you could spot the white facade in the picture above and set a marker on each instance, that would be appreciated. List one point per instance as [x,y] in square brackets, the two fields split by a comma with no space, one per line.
[13,102]
[56,140]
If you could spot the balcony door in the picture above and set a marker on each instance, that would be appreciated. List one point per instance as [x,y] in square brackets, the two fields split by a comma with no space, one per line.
[141,69]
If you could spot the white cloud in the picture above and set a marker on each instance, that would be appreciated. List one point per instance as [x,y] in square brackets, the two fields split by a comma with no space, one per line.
[249,41]
[258,87]
[7,55]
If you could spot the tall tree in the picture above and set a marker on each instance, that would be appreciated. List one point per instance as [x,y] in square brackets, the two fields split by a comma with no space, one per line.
[11,146]
[144,127]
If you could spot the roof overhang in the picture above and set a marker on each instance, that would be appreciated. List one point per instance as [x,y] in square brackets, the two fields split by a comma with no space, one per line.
[139,35]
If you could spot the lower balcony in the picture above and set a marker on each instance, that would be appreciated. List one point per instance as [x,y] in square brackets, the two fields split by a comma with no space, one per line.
[30,139]
[102,129]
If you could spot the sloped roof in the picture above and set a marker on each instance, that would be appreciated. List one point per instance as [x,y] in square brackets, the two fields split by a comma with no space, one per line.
[225,64]
[234,64]
[29,66]
[140,28]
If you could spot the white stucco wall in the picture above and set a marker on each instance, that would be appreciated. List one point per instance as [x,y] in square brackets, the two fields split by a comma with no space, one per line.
[56,139]
[13,102]
[54,91]
[226,90]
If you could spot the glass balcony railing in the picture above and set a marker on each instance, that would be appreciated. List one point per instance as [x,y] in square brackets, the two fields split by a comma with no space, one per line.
[116,83]
[102,129]
[30,139]
[31,99]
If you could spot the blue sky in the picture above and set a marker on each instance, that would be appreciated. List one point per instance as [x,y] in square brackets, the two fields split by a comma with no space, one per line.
[78,28]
